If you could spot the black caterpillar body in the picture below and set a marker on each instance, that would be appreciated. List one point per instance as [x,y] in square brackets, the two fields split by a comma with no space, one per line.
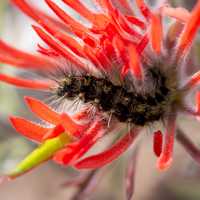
[126,106]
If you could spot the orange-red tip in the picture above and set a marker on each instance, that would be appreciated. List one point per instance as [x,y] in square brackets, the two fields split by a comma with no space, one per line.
[12,119]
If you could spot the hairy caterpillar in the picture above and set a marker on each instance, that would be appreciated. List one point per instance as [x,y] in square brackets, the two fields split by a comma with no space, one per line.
[123,102]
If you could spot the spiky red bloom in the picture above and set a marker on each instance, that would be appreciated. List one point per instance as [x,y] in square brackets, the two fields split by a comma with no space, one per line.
[122,46]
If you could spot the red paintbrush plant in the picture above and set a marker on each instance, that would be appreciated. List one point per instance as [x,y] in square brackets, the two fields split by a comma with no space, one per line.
[126,70]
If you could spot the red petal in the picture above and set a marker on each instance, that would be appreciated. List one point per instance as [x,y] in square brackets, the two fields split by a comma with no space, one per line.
[135,65]
[79,148]
[144,9]
[43,111]
[47,51]
[81,9]
[63,37]
[28,129]
[25,83]
[198,102]
[25,60]
[181,14]
[76,27]
[194,81]
[62,51]
[124,71]
[190,30]
[37,14]
[70,126]
[156,33]
[136,21]
[142,44]
[157,143]
[126,6]
[125,25]
[109,155]
[165,159]
[82,115]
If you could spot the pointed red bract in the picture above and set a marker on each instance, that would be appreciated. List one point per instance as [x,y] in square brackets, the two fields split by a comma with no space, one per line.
[29,129]
[11,55]
[26,83]
[43,111]
[109,155]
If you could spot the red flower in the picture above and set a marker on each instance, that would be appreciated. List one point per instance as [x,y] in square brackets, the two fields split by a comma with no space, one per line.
[120,48]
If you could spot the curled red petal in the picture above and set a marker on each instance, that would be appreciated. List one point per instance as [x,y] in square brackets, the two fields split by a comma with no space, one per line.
[43,111]
[109,155]
[29,129]
[25,83]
